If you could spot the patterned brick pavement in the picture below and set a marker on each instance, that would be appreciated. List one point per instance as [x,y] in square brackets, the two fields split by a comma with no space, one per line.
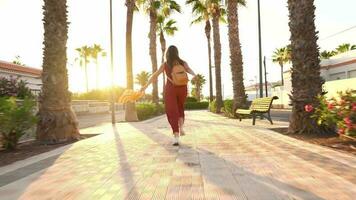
[219,159]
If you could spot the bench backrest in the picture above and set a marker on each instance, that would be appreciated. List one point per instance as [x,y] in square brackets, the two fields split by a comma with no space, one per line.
[262,104]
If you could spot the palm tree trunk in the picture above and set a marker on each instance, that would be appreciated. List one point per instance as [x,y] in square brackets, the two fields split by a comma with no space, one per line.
[97,73]
[282,78]
[86,75]
[153,52]
[130,108]
[236,56]
[217,56]
[306,80]
[207,33]
[163,49]
[57,121]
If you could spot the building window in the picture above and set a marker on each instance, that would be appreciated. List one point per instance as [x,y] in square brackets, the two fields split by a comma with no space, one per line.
[352,74]
[337,76]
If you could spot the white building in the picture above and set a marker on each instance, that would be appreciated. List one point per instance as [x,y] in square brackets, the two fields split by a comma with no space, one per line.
[339,73]
[30,75]
[339,67]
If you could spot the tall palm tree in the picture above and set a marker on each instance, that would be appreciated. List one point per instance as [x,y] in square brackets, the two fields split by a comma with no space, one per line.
[282,56]
[327,54]
[240,98]
[153,8]
[217,12]
[345,48]
[198,83]
[96,52]
[142,78]
[306,80]
[201,11]
[130,108]
[57,121]
[167,27]
[85,53]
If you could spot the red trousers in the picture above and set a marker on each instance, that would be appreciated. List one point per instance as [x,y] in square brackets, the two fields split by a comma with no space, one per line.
[174,104]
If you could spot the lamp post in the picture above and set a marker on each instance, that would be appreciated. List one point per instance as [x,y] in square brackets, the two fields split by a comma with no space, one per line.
[260,48]
[112,70]
[266,82]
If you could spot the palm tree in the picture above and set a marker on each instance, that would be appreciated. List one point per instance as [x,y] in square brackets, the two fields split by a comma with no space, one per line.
[345,48]
[282,56]
[198,83]
[327,54]
[97,51]
[240,98]
[85,54]
[142,78]
[201,11]
[153,7]
[57,121]
[130,108]
[168,28]
[217,12]
[306,80]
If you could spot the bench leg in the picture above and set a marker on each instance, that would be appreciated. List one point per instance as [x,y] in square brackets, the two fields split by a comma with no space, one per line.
[269,118]
[240,118]
[253,119]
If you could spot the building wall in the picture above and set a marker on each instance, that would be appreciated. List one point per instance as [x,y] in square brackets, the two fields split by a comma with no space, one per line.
[338,73]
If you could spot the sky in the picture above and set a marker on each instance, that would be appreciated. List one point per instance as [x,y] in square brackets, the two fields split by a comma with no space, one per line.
[22,34]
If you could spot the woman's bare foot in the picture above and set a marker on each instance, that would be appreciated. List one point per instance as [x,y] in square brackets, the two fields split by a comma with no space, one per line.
[176,139]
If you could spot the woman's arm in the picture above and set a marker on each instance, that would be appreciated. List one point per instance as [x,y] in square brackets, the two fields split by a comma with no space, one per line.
[189,70]
[153,77]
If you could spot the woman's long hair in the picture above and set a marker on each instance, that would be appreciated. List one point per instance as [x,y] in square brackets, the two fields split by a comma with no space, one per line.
[172,57]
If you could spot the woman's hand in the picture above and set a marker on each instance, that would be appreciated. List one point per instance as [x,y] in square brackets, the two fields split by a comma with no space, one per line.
[143,89]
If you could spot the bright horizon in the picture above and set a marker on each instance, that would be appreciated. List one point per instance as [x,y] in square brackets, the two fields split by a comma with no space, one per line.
[22,34]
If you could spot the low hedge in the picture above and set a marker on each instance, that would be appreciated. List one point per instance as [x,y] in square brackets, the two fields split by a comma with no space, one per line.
[196,105]
[228,108]
[148,110]
[212,106]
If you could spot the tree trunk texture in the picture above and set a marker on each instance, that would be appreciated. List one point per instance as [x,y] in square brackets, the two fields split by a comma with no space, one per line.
[130,108]
[282,78]
[217,59]
[207,33]
[57,121]
[163,49]
[236,56]
[153,52]
[97,73]
[306,80]
[86,75]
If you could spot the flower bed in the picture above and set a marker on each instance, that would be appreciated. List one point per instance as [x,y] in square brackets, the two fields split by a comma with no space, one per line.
[337,113]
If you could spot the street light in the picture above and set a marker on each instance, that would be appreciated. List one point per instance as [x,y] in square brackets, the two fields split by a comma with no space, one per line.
[260,48]
[112,70]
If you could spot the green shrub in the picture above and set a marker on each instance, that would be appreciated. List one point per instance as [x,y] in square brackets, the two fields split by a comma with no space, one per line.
[191,99]
[14,88]
[337,113]
[15,119]
[212,106]
[196,105]
[148,110]
[228,108]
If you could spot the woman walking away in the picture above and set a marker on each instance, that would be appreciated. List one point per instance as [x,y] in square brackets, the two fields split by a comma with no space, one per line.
[175,91]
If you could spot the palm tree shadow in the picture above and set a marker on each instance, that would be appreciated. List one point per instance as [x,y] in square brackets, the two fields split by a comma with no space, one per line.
[125,171]
[212,168]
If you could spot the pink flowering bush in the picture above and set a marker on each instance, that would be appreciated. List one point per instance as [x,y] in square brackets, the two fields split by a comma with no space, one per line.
[338,113]
[13,87]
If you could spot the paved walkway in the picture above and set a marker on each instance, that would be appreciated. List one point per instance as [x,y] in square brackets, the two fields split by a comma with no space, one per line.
[219,159]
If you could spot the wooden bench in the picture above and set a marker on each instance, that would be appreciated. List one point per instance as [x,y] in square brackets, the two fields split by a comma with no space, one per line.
[259,107]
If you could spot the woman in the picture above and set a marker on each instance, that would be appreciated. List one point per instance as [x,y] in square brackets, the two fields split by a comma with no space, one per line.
[174,95]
